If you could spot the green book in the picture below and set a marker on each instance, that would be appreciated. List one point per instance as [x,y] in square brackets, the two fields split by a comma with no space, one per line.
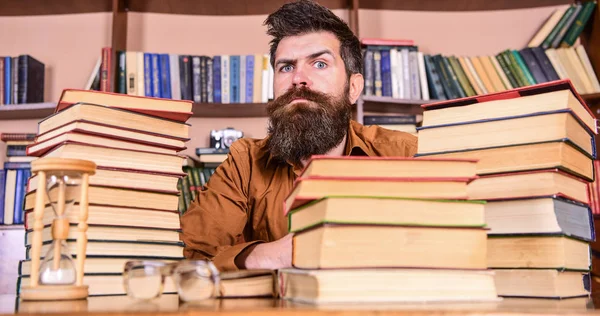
[453,78]
[523,67]
[462,77]
[579,24]
[506,70]
[512,65]
[547,43]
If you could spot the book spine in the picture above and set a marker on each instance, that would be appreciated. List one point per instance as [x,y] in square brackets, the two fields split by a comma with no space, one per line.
[196,79]
[209,80]
[217,79]
[377,67]
[19,195]
[444,77]
[422,77]
[7,80]
[234,79]
[16,151]
[577,26]
[386,74]
[514,68]
[521,63]
[369,76]
[156,89]
[175,77]
[15,80]
[384,119]
[2,95]
[249,78]
[105,71]
[185,77]
[532,64]
[22,73]
[165,76]
[453,78]
[462,77]
[242,86]
[563,30]
[203,80]
[435,85]
[509,75]
[547,43]
[148,74]
[415,90]
[405,64]
[225,79]
[122,81]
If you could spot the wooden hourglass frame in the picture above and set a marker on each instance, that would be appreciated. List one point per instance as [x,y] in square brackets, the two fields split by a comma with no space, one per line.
[60,229]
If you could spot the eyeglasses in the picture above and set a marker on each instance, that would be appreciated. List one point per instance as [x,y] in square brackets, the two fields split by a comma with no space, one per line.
[194,279]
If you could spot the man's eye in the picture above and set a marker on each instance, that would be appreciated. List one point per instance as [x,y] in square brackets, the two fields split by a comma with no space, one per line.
[320,65]
[287,68]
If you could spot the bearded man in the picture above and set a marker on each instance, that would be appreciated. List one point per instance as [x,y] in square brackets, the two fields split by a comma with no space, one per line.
[237,221]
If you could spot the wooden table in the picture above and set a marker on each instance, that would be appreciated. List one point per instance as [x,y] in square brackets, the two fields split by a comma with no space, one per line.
[170,305]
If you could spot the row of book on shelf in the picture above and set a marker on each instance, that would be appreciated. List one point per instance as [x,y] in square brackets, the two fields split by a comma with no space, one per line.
[21,80]
[519,164]
[206,79]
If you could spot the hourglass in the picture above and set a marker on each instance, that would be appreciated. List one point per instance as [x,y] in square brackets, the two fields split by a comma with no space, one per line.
[61,182]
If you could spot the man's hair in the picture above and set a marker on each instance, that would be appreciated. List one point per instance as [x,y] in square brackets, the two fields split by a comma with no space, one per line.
[305,16]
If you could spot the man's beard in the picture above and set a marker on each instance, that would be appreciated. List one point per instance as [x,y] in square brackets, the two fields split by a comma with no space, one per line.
[312,127]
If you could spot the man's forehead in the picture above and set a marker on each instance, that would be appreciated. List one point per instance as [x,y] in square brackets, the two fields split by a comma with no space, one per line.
[302,46]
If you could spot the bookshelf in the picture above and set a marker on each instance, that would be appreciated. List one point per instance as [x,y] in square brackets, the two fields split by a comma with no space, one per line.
[118,37]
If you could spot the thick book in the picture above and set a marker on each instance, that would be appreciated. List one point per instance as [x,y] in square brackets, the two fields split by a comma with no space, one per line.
[542,283]
[387,211]
[529,184]
[336,246]
[538,251]
[307,189]
[114,117]
[524,101]
[544,215]
[107,215]
[176,110]
[30,86]
[390,167]
[558,154]
[385,285]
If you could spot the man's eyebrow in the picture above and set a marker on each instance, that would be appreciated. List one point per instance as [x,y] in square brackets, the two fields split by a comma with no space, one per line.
[311,56]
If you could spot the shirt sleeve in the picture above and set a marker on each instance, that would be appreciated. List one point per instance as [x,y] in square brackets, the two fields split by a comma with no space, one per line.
[213,225]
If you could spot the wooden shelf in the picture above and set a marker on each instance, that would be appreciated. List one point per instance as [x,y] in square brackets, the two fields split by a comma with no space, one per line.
[229,110]
[217,7]
[26,111]
[473,5]
[12,227]
[391,105]
[49,7]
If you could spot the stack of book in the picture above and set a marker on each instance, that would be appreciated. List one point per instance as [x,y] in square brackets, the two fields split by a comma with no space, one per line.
[133,196]
[370,229]
[13,178]
[535,148]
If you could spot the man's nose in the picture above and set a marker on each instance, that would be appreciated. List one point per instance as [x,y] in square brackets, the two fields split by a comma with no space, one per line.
[301,78]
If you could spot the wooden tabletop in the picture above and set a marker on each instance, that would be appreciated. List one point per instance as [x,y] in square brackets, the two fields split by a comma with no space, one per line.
[170,305]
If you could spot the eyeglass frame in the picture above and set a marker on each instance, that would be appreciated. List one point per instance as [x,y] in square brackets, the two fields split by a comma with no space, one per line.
[168,269]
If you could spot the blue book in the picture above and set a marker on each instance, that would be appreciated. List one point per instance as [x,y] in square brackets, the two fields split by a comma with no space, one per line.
[7,80]
[147,74]
[217,79]
[234,79]
[386,74]
[156,76]
[165,76]
[2,190]
[249,78]
[19,196]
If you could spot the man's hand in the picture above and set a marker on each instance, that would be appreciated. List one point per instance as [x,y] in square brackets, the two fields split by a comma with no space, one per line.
[272,255]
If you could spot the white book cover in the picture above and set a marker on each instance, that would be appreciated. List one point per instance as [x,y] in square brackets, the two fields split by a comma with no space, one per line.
[560,71]
[587,65]
[415,83]
[393,67]
[9,196]
[265,79]
[140,74]
[423,77]
[257,93]
[225,79]
[131,72]
[578,66]
[271,77]
[95,70]
[242,87]
[174,76]
[406,74]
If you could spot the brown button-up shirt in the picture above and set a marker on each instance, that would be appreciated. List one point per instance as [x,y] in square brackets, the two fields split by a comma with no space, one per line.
[242,203]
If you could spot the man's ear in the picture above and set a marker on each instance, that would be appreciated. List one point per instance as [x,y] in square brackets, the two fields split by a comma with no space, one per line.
[357,83]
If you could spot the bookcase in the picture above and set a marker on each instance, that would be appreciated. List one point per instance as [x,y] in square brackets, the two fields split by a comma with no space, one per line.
[123,18]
